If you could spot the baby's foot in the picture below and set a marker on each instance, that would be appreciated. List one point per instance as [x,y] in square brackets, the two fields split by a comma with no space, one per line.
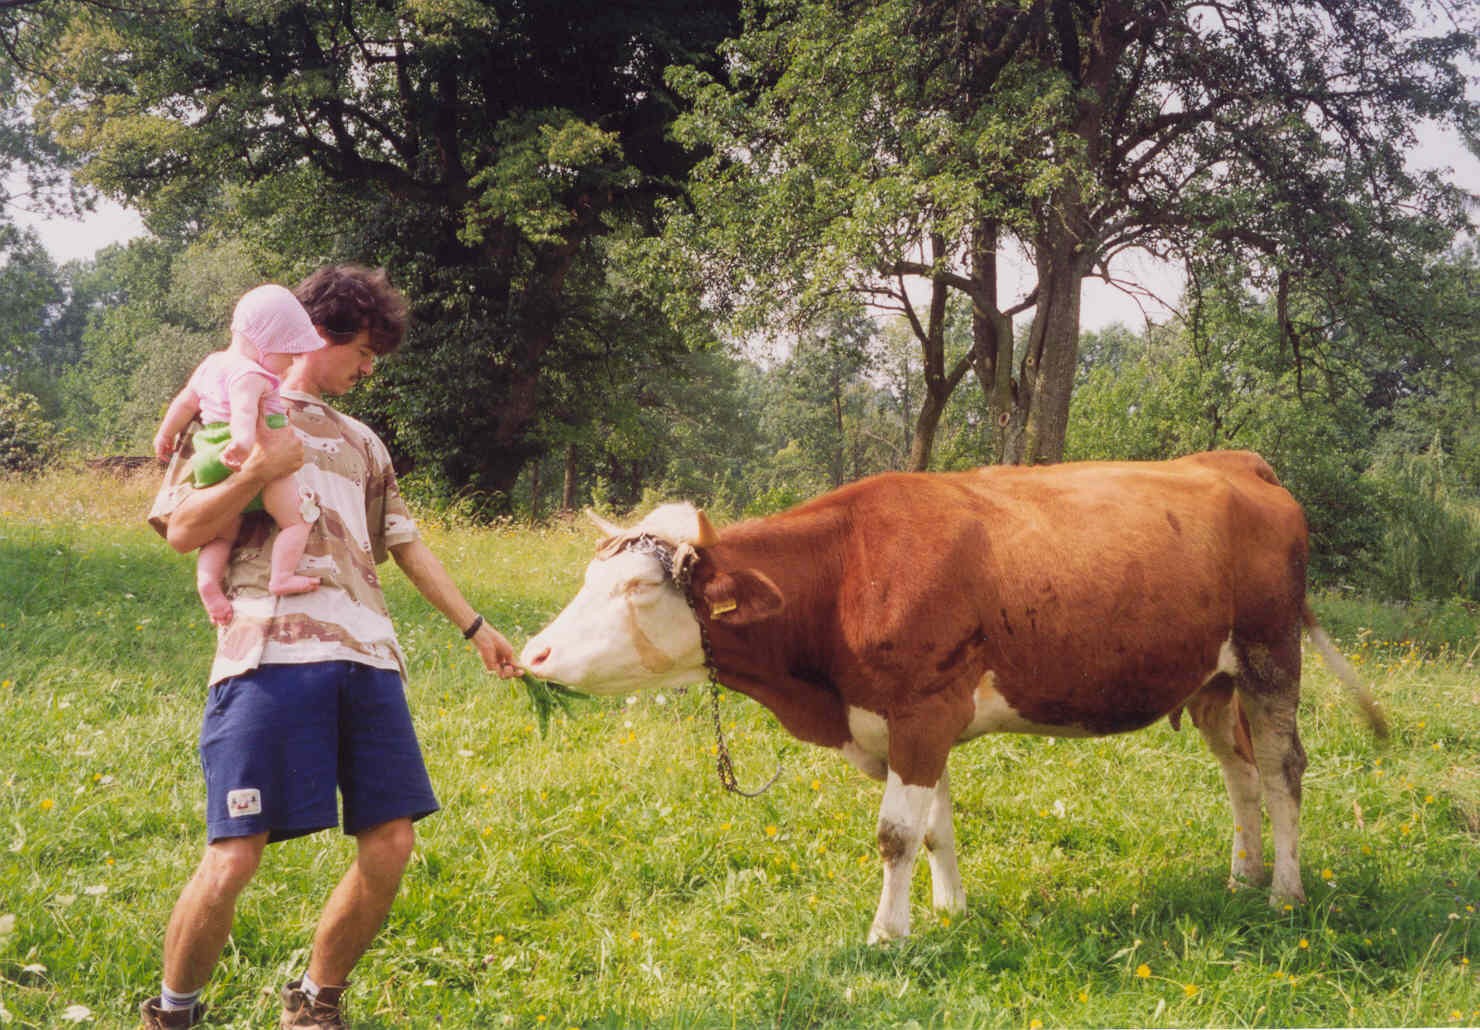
[294,584]
[218,605]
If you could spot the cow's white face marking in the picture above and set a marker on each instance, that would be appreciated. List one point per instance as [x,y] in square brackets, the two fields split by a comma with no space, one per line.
[628,629]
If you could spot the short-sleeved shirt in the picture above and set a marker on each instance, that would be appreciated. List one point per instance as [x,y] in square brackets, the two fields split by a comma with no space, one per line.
[214,377]
[347,475]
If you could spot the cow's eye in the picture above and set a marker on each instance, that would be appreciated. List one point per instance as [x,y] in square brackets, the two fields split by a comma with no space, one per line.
[640,591]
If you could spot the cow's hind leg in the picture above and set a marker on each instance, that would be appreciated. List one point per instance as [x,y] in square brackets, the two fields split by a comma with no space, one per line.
[1219,717]
[1269,689]
[940,838]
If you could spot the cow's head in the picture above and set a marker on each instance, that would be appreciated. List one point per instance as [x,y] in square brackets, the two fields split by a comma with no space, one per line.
[630,627]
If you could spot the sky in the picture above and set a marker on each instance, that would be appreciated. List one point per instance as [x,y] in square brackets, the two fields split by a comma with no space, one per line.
[1103,304]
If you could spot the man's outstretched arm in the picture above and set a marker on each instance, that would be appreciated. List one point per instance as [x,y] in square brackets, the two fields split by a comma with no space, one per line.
[428,575]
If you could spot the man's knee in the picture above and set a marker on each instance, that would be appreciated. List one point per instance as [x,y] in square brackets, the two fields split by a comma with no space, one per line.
[387,848]
[229,864]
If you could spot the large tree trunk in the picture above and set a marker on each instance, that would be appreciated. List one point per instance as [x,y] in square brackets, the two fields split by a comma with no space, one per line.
[991,350]
[1053,347]
[568,490]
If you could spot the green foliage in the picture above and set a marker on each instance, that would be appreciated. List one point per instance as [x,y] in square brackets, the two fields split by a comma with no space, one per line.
[1430,543]
[27,440]
[358,132]
[1442,627]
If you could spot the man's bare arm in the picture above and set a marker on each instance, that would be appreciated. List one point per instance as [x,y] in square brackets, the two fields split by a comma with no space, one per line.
[428,575]
[206,513]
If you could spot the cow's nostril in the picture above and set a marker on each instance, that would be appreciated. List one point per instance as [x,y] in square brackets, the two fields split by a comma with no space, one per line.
[540,658]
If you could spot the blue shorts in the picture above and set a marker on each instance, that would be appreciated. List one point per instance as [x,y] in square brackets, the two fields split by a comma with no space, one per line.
[277,741]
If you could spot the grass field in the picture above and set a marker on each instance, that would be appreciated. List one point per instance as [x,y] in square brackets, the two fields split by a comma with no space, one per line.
[598,876]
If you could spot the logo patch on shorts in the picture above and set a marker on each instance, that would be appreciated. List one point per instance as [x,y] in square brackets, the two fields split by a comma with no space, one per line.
[245,801]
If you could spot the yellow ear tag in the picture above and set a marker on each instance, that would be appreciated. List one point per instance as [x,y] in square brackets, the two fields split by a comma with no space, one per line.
[720,607]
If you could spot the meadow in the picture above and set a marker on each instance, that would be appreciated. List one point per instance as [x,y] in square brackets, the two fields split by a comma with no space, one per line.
[598,876]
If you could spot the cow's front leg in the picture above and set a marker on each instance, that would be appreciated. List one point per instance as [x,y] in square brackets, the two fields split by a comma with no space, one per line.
[940,840]
[902,819]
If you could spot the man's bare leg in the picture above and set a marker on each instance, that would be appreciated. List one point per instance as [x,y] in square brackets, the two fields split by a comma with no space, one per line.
[358,907]
[201,921]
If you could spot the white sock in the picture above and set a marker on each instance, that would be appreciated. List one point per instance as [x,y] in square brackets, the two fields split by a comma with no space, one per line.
[308,987]
[174,1001]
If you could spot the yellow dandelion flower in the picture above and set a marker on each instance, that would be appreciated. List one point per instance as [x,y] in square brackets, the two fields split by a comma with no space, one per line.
[498,938]
[1143,971]
[47,804]
[1083,997]
[1304,943]
[946,921]
[771,830]
[636,935]
[816,784]
[1035,1024]
[1190,990]
[7,684]
[1327,874]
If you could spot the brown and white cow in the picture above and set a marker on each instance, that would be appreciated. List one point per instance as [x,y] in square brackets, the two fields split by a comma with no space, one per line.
[903,614]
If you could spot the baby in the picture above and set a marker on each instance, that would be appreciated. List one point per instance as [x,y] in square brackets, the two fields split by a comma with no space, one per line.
[228,390]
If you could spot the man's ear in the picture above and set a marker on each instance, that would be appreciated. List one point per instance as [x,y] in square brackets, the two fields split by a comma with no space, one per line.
[742,597]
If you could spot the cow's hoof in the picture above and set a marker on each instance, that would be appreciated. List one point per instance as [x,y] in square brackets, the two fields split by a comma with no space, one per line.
[952,902]
[1238,882]
[1287,898]
[883,935]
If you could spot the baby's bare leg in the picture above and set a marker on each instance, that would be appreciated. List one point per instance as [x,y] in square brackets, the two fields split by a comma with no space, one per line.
[210,572]
[280,498]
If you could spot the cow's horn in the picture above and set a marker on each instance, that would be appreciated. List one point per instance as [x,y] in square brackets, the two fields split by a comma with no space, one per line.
[708,536]
[609,528]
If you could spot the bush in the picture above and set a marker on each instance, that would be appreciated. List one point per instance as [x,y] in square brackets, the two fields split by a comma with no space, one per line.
[26,439]
[1429,547]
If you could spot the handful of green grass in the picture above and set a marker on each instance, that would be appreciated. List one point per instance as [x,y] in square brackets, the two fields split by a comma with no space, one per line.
[546,697]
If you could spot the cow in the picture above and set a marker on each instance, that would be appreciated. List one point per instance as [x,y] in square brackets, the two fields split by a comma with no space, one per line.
[902,614]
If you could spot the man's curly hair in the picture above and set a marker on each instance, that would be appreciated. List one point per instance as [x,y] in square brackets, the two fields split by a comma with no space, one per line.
[342,300]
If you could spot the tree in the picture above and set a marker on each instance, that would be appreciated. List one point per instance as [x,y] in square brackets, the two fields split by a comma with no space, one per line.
[476,148]
[851,146]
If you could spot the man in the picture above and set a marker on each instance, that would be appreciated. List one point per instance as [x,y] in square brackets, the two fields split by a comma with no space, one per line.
[307,691]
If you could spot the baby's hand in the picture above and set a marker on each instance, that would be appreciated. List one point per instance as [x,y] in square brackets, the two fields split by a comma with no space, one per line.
[234,454]
[164,446]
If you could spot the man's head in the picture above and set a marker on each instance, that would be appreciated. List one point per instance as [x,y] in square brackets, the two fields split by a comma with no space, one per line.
[344,300]
[360,314]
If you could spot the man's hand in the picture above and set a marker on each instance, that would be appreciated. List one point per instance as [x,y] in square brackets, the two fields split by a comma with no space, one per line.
[497,653]
[277,453]
[164,446]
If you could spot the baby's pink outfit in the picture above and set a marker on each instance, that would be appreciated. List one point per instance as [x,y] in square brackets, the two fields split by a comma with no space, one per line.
[213,380]
[273,320]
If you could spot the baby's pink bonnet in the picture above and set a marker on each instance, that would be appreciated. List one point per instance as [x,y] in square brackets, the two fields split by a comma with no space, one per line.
[271,318]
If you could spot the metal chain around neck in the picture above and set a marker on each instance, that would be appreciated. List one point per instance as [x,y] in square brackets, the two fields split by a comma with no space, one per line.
[682,568]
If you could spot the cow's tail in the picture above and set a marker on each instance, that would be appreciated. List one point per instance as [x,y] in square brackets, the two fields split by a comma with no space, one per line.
[1355,688]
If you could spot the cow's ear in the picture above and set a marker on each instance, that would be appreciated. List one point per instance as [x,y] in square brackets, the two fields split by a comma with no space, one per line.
[742,597]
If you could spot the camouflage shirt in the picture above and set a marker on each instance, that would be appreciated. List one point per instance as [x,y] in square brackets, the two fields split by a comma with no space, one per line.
[347,477]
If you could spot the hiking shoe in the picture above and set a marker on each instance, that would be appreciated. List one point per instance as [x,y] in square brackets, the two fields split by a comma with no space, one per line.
[156,1018]
[298,1010]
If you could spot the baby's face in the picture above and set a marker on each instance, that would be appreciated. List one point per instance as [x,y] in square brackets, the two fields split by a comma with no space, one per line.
[277,364]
